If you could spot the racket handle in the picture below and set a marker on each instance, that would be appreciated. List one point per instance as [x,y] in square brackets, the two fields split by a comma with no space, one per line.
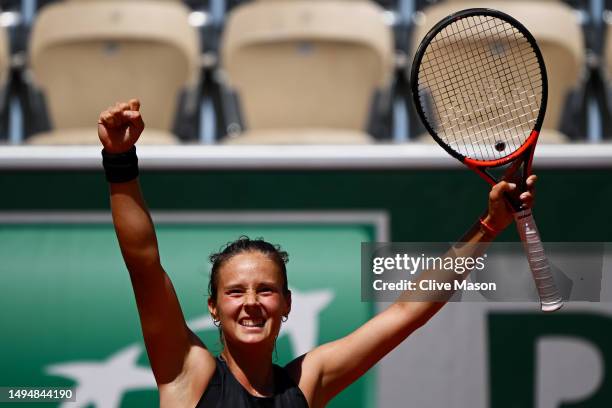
[550,298]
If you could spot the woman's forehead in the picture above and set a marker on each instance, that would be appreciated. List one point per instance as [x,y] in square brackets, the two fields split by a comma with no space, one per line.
[249,267]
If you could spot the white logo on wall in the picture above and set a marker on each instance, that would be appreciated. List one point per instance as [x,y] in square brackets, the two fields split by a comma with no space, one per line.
[103,383]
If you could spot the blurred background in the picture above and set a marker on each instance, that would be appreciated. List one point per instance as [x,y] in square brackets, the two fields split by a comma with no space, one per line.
[292,120]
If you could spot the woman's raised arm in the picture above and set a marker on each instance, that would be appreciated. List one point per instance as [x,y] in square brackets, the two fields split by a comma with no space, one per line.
[328,369]
[168,340]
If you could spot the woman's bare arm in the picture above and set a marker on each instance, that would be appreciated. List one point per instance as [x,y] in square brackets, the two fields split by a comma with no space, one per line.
[328,369]
[167,337]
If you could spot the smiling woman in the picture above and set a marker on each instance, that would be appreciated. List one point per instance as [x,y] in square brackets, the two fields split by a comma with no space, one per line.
[249,300]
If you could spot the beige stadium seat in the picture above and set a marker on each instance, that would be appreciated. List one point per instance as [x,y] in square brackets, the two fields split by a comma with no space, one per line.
[607,57]
[306,71]
[5,64]
[175,1]
[558,33]
[87,55]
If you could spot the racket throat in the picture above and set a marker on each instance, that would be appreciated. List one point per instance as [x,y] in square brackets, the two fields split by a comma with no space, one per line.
[482,172]
[516,172]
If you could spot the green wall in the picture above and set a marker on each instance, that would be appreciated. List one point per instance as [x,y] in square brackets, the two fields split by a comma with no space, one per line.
[424,205]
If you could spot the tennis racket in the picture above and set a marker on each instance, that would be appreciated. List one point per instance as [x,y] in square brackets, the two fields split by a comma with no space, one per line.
[479,86]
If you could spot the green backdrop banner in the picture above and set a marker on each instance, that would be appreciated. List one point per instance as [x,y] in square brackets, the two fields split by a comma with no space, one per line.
[69,318]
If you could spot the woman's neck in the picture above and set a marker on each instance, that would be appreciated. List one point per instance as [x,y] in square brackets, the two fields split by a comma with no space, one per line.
[252,368]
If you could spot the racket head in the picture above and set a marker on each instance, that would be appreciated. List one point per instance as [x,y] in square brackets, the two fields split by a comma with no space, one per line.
[485,107]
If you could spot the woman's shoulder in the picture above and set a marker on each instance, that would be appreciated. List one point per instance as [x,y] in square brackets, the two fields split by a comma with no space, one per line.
[305,373]
[198,370]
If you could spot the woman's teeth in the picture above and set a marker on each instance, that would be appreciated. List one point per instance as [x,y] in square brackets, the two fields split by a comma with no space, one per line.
[252,323]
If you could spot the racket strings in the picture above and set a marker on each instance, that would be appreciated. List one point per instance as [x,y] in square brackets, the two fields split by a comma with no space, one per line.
[476,111]
[481,87]
[469,73]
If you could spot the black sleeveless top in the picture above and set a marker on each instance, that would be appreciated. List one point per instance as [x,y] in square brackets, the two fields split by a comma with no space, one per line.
[224,391]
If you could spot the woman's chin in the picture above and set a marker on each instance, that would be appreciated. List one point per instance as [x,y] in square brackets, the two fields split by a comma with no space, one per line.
[254,335]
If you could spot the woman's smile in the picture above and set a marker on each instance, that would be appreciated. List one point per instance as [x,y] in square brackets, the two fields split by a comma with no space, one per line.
[252,323]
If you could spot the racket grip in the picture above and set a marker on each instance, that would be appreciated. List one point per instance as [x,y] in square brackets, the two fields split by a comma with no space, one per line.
[550,298]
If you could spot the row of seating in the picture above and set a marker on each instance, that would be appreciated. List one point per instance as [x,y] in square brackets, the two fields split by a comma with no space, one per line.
[287,71]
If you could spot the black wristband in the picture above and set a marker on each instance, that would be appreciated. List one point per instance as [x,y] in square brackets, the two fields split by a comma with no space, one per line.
[120,167]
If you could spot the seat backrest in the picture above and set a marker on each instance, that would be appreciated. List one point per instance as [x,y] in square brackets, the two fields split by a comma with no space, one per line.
[306,64]
[176,1]
[558,34]
[607,52]
[533,1]
[86,55]
[5,61]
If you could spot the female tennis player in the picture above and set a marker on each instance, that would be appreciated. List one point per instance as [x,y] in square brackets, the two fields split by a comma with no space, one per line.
[249,300]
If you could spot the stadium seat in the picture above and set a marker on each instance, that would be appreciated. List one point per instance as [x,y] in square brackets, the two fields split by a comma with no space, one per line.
[559,36]
[607,69]
[306,71]
[175,1]
[86,55]
[5,67]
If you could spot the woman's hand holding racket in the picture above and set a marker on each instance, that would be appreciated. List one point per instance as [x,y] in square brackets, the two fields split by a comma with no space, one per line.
[500,213]
[120,126]
[480,88]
